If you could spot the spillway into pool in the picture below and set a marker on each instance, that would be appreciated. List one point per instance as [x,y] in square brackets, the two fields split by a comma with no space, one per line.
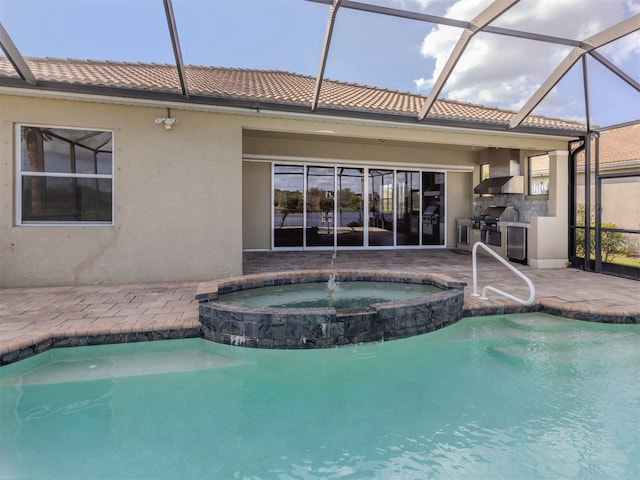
[298,310]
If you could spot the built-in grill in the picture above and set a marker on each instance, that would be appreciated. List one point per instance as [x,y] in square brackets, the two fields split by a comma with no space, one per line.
[430,219]
[489,223]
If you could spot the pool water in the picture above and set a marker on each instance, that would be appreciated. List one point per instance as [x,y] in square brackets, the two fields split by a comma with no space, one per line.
[345,295]
[518,396]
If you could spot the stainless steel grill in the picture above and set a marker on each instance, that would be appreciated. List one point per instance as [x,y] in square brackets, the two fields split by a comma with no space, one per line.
[489,223]
[500,214]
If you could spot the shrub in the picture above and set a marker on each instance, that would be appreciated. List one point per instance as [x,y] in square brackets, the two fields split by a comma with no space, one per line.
[611,243]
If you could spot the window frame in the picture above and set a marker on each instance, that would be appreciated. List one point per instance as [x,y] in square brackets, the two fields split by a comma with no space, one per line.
[20,174]
[529,178]
[485,171]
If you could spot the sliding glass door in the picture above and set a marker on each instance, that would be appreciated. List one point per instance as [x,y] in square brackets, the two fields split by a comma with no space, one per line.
[381,217]
[408,208]
[350,206]
[345,206]
[288,220]
[432,208]
[320,206]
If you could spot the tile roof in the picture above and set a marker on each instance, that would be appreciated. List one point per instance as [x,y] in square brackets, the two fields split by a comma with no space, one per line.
[620,144]
[267,86]
[617,146]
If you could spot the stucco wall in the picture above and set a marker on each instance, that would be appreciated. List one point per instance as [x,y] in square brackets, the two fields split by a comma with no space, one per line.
[363,150]
[548,235]
[459,201]
[177,201]
[183,207]
[256,205]
[620,200]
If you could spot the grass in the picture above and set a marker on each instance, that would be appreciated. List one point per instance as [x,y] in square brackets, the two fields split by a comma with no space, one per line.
[622,259]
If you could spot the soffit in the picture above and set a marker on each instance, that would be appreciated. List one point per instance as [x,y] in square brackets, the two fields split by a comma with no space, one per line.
[283,136]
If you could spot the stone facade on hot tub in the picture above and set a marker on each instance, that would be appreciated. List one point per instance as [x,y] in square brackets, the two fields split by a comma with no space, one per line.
[324,327]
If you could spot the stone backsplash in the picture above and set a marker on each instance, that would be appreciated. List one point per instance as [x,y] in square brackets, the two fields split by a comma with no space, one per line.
[525,207]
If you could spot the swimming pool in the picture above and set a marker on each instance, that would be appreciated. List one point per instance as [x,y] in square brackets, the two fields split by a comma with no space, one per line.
[515,396]
[347,295]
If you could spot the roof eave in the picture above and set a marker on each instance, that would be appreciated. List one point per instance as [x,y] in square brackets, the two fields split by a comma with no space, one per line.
[255,104]
[410,118]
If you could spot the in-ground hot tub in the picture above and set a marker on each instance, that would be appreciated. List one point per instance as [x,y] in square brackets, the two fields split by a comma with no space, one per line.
[435,303]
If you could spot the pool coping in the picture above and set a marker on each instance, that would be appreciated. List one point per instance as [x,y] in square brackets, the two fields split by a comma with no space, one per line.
[210,290]
[326,326]
[93,333]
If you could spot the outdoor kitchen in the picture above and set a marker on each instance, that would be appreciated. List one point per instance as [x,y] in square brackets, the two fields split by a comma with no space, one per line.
[501,211]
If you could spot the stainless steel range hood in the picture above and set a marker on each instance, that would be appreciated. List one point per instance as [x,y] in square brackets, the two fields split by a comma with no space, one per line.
[495,185]
[505,174]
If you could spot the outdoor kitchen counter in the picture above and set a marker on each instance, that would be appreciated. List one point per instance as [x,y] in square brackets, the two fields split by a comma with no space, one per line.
[515,224]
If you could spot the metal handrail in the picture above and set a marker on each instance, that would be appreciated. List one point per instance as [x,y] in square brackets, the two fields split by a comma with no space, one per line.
[532,290]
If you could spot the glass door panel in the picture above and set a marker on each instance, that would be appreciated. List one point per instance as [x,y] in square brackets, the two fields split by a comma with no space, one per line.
[288,185]
[433,208]
[408,208]
[324,206]
[381,201]
[350,206]
[320,206]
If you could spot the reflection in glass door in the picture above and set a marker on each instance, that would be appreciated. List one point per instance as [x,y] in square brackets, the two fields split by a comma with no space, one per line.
[350,205]
[288,185]
[432,208]
[320,206]
[346,206]
[408,207]
[380,207]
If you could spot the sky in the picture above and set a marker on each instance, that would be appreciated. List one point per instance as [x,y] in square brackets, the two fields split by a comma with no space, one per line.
[366,48]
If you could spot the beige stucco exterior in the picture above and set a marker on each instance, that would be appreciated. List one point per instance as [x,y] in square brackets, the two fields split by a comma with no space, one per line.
[256,205]
[187,201]
[548,235]
[175,216]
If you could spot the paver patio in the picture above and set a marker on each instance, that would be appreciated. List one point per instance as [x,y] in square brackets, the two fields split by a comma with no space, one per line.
[31,317]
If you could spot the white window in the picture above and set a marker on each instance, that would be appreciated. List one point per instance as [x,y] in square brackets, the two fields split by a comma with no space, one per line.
[64,176]
[538,175]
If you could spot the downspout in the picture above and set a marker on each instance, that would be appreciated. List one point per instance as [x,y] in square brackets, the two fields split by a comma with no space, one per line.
[587,168]
[587,202]
[598,204]
[573,174]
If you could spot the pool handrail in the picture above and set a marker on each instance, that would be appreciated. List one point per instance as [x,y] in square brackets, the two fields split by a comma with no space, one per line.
[532,290]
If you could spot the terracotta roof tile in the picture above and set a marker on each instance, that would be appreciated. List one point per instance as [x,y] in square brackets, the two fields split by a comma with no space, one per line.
[266,86]
[617,145]
[620,144]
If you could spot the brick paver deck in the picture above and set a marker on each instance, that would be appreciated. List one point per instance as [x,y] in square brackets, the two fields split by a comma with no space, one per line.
[31,318]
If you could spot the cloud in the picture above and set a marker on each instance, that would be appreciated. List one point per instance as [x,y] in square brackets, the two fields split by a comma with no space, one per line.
[624,49]
[505,71]
[633,6]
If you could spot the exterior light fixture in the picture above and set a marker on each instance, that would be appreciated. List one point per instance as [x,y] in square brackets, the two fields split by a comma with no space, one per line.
[168,121]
